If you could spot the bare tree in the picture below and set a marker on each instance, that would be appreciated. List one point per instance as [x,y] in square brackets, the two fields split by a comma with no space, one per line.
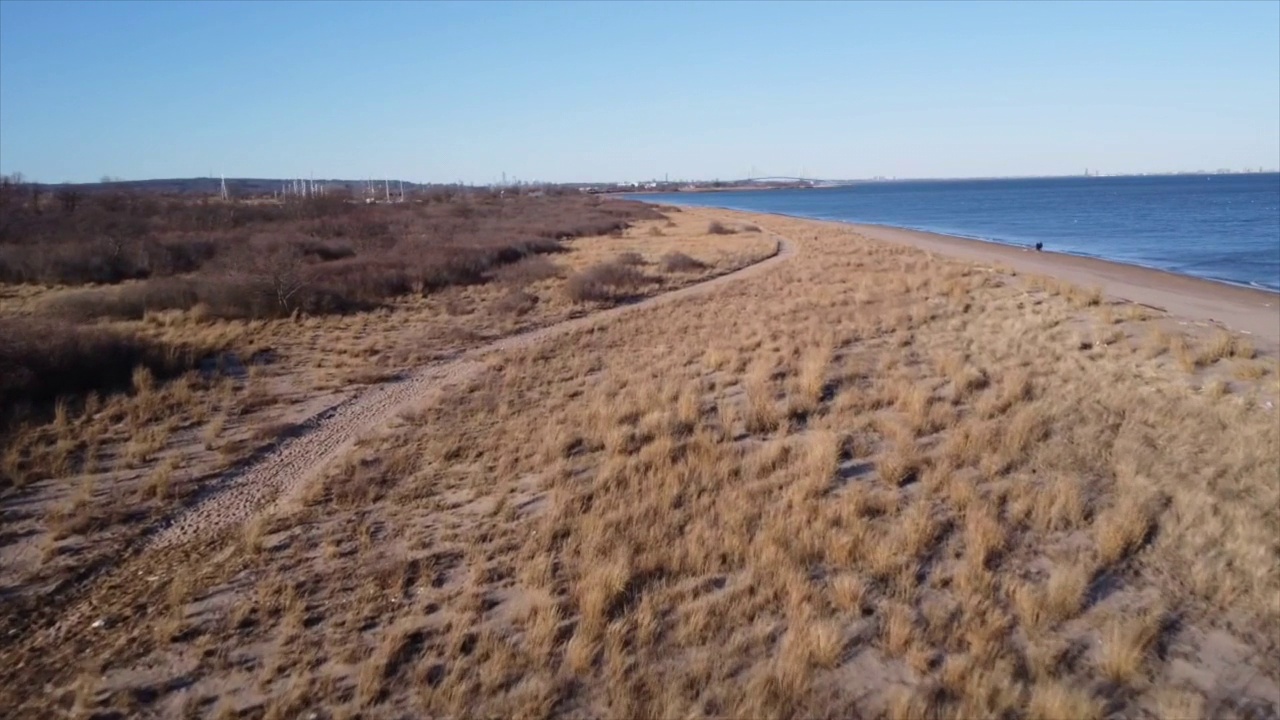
[69,199]
[10,188]
[274,268]
[284,274]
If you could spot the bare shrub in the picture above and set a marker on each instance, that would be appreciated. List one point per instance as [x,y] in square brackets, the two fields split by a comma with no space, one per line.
[42,360]
[633,259]
[532,269]
[515,302]
[679,262]
[718,228]
[456,303]
[605,282]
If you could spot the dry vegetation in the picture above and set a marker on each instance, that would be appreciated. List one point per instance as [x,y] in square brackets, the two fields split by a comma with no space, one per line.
[144,255]
[108,427]
[870,483]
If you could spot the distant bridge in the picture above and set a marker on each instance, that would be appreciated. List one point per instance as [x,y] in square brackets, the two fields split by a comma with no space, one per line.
[787,179]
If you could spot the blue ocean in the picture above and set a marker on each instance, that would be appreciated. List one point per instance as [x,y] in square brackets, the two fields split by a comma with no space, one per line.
[1219,227]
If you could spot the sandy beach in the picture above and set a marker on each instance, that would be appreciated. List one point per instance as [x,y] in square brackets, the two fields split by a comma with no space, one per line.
[1196,301]
[1253,312]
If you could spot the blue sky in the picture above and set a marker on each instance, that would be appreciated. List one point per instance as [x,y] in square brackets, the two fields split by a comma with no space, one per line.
[616,91]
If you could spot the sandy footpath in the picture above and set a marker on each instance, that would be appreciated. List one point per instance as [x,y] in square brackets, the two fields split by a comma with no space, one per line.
[281,473]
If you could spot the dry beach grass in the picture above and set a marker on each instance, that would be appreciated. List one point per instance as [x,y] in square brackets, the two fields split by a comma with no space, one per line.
[97,473]
[869,482]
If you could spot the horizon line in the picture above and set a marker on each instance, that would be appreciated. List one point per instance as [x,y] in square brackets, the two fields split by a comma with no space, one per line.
[684,181]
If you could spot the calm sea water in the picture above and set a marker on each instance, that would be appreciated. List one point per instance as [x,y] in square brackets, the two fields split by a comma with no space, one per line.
[1221,227]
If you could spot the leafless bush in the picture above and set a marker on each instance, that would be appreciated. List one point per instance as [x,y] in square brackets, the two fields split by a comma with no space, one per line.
[42,360]
[272,268]
[630,258]
[531,269]
[679,262]
[326,251]
[605,282]
[515,302]
[718,228]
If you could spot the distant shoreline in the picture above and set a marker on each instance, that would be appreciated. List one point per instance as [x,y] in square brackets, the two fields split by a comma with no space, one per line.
[908,181]
[699,190]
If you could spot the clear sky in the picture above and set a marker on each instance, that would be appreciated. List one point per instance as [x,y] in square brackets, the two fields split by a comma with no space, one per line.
[615,91]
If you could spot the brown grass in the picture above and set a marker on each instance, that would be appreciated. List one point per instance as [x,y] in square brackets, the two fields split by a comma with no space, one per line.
[868,469]
[1122,529]
[1126,643]
[1249,370]
[1055,700]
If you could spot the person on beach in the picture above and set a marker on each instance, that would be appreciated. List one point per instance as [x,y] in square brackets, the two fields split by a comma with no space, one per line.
[1039,246]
